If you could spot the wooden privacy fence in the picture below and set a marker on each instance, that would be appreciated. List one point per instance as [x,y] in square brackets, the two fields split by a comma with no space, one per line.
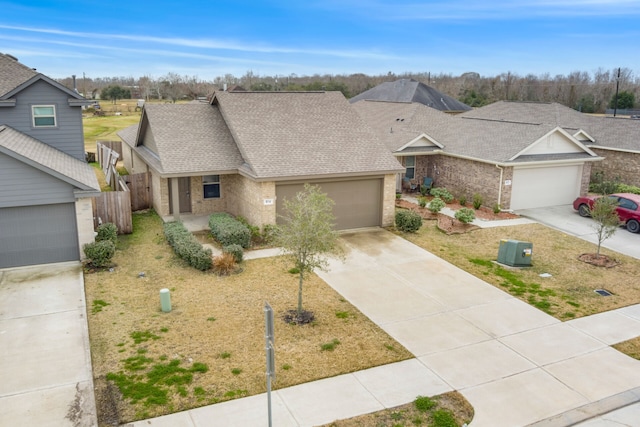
[132,192]
[113,207]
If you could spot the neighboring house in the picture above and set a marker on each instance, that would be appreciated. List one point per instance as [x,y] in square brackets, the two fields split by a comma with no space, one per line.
[246,152]
[614,138]
[46,185]
[516,165]
[409,90]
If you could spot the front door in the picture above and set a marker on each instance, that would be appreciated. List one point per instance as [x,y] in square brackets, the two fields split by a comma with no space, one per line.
[184,195]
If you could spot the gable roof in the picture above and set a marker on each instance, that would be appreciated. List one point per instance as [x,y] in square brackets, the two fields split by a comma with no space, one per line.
[43,157]
[410,129]
[15,76]
[604,132]
[409,90]
[184,139]
[286,135]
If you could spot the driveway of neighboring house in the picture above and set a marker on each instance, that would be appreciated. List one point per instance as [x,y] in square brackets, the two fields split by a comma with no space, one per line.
[45,361]
[565,219]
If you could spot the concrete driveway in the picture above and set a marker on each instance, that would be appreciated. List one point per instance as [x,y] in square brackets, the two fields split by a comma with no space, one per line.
[565,219]
[45,361]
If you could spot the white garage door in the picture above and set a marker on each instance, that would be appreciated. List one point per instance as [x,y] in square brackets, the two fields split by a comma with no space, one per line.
[545,186]
[32,235]
[358,203]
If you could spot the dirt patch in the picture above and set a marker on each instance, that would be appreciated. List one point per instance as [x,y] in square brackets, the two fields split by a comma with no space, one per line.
[599,260]
[453,226]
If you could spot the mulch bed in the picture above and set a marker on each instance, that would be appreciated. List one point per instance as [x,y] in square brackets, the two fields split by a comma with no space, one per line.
[451,225]
[598,260]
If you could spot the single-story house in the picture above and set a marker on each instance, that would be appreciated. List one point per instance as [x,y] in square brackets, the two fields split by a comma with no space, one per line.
[46,186]
[514,164]
[246,152]
[410,90]
[616,139]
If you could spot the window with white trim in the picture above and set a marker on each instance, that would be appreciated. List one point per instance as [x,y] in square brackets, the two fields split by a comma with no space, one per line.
[43,115]
[410,165]
[211,186]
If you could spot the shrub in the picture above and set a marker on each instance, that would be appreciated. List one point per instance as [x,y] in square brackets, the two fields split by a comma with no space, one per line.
[477,201]
[224,264]
[424,403]
[624,188]
[107,231]
[269,232]
[398,195]
[436,205]
[422,201]
[186,246]
[408,221]
[100,253]
[463,200]
[442,193]
[465,215]
[255,231]
[496,208]
[235,250]
[229,231]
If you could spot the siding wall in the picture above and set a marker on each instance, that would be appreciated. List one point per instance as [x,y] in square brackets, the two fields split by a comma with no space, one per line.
[23,185]
[67,136]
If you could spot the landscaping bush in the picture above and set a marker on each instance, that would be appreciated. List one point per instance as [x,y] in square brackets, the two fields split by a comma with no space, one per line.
[624,188]
[100,253]
[436,205]
[229,231]
[477,201]
[224,264]
[269,232]
[107,231]
[408,221]
[496,209]
[463,200]
[253,230]
[422,201]
[235,250]
[465,215]
[186,246]
[443,193]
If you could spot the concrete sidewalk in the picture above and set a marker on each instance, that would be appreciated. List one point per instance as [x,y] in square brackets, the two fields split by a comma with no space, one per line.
[515,364]
[44,348]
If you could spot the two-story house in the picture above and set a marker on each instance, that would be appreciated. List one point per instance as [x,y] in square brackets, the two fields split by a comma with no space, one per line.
[46,185]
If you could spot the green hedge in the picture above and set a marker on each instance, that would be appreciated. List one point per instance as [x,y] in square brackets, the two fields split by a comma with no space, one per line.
[408,221]
[442,193]
[100,253]
[465,215]
[186,246]
[107,231]
[229,231]
[235,250]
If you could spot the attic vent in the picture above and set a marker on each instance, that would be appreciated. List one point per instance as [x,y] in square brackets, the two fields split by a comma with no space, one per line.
[603,292]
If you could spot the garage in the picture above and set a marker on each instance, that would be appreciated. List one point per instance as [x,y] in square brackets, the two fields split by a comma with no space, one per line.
[358,202]
[31,235]
[539,187]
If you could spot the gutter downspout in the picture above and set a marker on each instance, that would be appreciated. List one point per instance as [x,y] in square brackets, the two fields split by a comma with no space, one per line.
[500,186]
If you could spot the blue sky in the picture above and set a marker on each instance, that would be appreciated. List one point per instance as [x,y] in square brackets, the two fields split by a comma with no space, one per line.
[277,37]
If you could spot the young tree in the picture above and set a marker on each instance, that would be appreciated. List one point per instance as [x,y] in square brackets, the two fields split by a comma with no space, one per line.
[307,234]
[114,93]
[605,217]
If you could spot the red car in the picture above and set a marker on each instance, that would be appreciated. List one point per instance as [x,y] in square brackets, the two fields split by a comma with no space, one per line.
[628,208]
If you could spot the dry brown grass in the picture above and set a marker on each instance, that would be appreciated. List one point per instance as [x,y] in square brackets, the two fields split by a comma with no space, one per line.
[218,321]
[630,348]
[572,283]
[409,415]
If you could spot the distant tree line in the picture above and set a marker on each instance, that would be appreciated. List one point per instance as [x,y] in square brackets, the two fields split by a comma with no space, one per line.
[587,92]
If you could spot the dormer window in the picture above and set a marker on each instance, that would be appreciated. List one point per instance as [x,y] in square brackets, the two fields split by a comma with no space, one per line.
[43,115]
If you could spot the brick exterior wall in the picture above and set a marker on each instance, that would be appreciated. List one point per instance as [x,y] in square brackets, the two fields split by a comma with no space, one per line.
[586,177]
[617,164]
[388,200]
[202,206]
[160,194]
[84,222]
[246,198]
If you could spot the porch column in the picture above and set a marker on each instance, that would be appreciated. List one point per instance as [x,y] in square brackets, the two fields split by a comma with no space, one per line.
[175,199]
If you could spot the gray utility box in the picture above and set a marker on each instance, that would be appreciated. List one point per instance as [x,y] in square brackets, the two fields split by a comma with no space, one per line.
[515,253]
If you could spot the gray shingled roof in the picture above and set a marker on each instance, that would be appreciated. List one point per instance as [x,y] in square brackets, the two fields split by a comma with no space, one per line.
[46,158]
[289,134]
[190,138]
[13,74]
[488,140]
[128,134]
[409,90]
[608,132]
